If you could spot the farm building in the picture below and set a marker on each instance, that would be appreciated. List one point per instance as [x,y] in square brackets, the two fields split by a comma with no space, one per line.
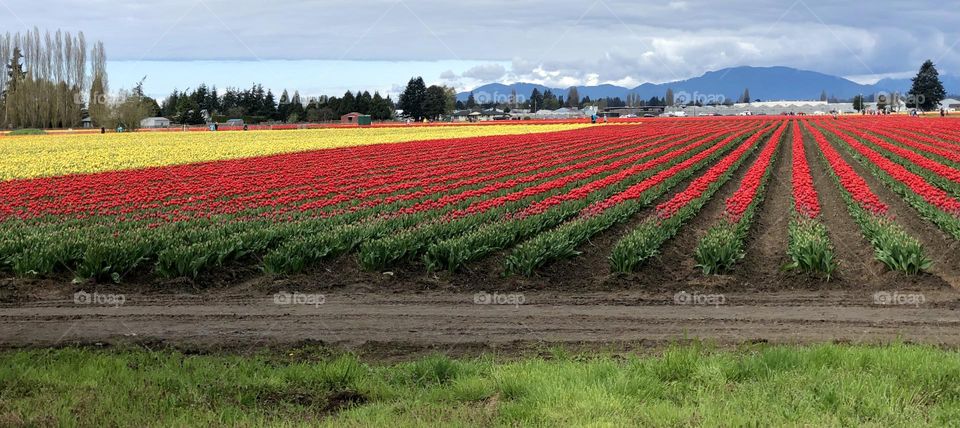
[479,116]
[560,113]
[950,104]
[349,117]
[155,122]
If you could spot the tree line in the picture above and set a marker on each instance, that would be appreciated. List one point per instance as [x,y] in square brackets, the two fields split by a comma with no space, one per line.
[548,100]
[54,80]
[256,104]
[44,78]
[418,102]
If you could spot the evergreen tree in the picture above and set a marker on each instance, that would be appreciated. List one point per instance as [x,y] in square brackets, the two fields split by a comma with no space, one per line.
[536,100]
[471,101]
[283,109]
[927,90]
[435,102]
[348,104]
[269,109]
[670,100]
[412,98]
[295,111]
[381,107]
[858,103]
[573,97]
[364,102]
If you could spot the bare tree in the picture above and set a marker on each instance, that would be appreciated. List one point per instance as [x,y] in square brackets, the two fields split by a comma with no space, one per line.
[49,91]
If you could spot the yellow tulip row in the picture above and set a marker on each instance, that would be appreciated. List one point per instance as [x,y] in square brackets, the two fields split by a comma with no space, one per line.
[53,155]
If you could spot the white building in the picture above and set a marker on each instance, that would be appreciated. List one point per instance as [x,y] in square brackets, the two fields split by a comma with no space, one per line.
[560,113]
[951,104]
[155,122]
[766,108]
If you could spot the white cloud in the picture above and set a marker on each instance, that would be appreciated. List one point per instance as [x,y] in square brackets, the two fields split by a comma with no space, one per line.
[545,41]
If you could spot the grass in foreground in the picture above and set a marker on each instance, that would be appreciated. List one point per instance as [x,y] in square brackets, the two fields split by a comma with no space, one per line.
[823,385]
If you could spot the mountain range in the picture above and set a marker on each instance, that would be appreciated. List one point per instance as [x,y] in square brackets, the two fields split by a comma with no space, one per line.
[764,83]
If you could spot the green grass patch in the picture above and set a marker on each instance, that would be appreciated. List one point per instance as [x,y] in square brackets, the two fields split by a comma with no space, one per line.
[691,385]
[27,131]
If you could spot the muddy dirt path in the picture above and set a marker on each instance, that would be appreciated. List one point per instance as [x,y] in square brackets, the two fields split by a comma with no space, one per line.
[383,323]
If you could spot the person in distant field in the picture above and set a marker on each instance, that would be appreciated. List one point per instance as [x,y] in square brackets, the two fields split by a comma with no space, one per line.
[103,130]
[245,127]
[943,112]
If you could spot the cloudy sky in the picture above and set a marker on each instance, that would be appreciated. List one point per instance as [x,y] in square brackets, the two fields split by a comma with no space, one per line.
[321,46]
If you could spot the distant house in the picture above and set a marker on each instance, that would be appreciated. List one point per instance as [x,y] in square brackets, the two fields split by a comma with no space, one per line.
[87,122]
[349,117]
[950,104]
[155,122]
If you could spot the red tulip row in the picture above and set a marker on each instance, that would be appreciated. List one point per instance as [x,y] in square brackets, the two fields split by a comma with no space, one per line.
[676,150]
[940,131]
[917,184]
[639,189]
[852,182]
[944,171]
[697,188]
[334,176]
[741,200]
[804,193]
[922,142]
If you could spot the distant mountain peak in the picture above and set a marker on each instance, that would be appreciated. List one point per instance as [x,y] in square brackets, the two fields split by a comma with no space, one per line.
[765,83]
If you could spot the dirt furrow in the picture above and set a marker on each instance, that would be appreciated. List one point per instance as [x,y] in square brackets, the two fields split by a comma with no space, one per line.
[943,249]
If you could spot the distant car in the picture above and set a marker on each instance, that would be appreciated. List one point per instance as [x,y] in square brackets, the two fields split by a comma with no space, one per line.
[649,115]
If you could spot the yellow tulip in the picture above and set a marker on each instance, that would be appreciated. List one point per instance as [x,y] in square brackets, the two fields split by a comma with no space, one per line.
[53,155]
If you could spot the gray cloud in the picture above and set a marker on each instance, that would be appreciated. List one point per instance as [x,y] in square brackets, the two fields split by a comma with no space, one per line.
[553,42]
[486,72]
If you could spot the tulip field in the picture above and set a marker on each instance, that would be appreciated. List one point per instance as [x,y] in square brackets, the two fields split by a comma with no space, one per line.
[511,200]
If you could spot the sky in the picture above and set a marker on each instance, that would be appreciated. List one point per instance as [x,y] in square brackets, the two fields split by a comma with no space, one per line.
[328,47]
